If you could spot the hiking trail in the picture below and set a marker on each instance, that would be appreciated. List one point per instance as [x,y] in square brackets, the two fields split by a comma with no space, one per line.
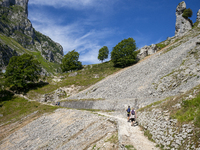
[131,135]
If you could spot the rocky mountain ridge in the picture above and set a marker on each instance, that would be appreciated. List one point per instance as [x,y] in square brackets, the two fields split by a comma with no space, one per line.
[14,24]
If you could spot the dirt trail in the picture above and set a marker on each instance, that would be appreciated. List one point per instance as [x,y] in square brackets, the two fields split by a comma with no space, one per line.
[131,135]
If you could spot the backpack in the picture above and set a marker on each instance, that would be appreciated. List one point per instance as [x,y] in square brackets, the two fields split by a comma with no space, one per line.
[132,112]
[128,110]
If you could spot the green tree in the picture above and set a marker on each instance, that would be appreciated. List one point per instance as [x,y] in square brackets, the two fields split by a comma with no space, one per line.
[21,70]
[70,61]
[103,53]
[187,13]
[124,54]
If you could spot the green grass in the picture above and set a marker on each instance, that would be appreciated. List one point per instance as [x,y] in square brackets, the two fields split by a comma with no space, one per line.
[160,45]
[113,138]
[130,147]
[49,66]
[149,135]
[190,111]
[13,44]
[15,108]
[195,24]
[85,78]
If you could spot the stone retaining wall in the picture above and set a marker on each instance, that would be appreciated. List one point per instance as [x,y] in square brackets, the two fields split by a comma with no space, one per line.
[166,132]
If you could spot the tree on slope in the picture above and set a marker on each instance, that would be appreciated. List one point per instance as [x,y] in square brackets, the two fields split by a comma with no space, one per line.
[70,61]
[124,54]
[21,70]
[103,53]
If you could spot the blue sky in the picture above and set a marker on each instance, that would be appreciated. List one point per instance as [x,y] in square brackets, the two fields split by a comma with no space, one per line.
[88,25]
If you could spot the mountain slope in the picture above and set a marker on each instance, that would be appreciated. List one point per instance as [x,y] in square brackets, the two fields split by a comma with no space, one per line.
[17,33]
[168,72]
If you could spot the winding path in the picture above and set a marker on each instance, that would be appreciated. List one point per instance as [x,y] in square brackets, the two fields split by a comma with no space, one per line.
[131,135]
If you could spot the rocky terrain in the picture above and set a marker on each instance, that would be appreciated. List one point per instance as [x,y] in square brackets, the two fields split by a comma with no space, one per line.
[64,129]
[160,80]
[173,70]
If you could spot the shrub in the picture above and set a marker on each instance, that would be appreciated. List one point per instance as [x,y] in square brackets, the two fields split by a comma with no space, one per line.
[187,13]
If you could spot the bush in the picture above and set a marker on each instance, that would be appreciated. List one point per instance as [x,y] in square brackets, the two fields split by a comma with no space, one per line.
[187,13]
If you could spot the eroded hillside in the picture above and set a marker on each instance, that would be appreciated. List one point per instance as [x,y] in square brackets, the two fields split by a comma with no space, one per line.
[170,71]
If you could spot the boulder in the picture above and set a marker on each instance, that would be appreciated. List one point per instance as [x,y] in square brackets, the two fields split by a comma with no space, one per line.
[182,25]
[147,50]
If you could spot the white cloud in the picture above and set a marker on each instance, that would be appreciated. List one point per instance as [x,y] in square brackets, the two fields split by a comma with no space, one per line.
[73,36]
[75,4]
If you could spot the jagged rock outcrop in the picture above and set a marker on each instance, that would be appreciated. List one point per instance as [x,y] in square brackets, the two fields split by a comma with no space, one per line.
[198,15]
[14,23]
[147,50]
[182,25]
[198,18]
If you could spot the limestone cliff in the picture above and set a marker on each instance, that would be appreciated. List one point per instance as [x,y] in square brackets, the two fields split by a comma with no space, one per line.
[198,18]
[14,24]
[182,24]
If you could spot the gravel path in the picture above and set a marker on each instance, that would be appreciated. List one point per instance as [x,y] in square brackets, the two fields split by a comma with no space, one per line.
[131,135]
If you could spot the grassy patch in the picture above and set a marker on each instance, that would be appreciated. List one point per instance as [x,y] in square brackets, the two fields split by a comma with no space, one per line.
[161,45]
[190,111]
[49,66]
[84,78]
[149,135]
[15,108]
[130,147]
[113,138]
[195,24]
[153,104]
[13,44]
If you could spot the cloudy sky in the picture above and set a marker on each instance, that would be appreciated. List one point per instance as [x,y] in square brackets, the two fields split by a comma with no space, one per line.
[88,25]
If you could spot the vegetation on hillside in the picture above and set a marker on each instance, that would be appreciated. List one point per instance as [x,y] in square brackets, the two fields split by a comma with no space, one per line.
[86,77]
[22,70]
[124,53]
[103,53]
[183,107]
[70,61]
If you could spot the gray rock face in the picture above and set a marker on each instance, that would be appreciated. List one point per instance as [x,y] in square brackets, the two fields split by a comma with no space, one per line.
[5,54]
[198,15]
[22,3]
[182,24]
[147,50]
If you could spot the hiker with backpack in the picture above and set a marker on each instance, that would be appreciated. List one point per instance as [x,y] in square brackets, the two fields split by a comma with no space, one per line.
[133,117]
[128,112]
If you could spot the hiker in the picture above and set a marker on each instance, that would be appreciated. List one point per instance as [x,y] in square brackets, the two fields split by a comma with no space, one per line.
[133,117]
[128,112]
[58,103]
